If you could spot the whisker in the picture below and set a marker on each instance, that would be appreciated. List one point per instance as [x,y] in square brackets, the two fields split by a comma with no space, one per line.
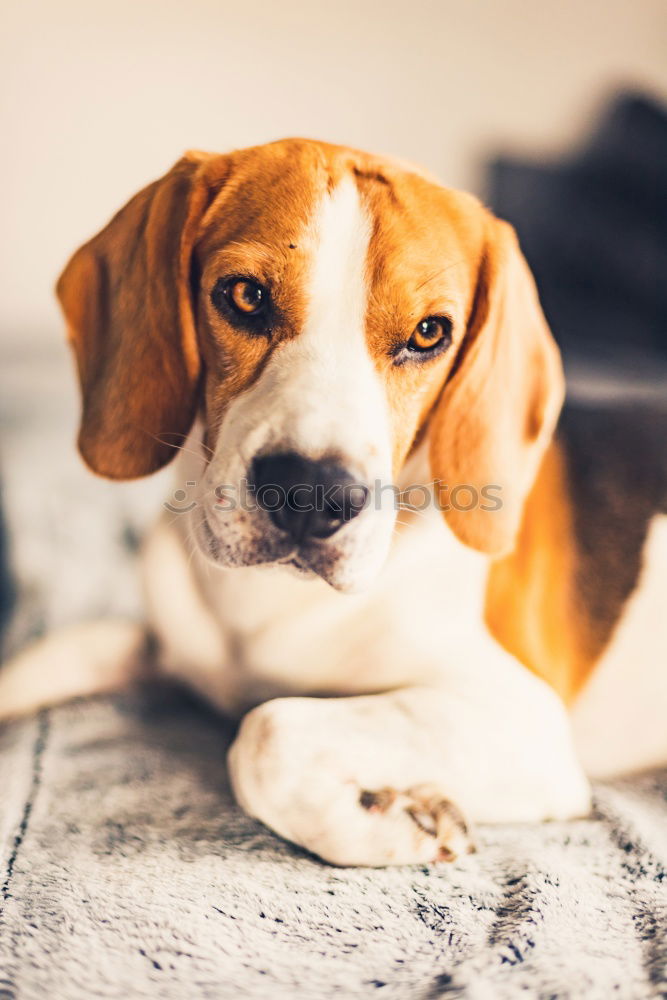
[178,447]
[413,510]
[437,273]
[185,438]
[191,541]
[416,486]
[174,515]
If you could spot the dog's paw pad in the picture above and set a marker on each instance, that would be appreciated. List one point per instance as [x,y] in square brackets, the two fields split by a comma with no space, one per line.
[434,816]
[379,800]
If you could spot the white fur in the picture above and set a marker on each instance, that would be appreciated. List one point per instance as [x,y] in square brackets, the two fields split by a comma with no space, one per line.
[318,395]
[301,764]
[79,660]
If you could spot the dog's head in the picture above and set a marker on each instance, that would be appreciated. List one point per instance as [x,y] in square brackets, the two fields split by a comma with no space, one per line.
[321,309]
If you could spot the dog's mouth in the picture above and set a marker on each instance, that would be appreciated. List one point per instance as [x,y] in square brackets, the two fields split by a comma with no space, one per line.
[347,563]
[298,566]
[287,556]
[295,562]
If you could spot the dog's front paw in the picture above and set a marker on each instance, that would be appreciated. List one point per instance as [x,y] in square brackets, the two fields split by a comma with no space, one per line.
[296,769]
[434,816]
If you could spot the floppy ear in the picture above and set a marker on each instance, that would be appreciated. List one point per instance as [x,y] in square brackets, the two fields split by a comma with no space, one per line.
[498,410]
[126,298]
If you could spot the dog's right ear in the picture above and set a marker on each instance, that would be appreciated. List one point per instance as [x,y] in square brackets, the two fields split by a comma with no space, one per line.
[498,410]
[127,301]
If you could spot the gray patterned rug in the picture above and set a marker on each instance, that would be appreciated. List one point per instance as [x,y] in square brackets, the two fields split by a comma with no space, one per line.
[127,871]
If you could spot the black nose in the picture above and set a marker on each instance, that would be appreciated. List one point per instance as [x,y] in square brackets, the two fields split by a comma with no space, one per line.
[306,499]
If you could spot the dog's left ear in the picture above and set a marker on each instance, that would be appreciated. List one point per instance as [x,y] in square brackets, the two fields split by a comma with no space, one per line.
[499,408]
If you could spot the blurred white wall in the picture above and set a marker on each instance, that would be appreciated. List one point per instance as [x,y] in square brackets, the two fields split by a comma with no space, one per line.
[101,96]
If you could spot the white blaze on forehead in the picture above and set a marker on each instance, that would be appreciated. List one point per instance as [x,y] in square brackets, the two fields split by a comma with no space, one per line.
[338,293]
[335,395]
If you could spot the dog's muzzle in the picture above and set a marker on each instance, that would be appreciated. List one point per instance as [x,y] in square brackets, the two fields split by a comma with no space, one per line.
[306,499]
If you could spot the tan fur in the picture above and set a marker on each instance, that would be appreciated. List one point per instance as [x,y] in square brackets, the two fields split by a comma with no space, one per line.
[498,411]
[424,261]
[531,602]
[126,298]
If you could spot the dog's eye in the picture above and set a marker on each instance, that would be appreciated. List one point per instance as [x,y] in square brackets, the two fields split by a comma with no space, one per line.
[432,332]
[240,298]
[247,297]
[431,337]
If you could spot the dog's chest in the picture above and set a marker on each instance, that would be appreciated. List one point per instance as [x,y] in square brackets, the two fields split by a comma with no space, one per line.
[270,634]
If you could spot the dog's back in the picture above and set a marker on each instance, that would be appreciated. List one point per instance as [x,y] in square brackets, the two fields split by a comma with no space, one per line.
[616,457]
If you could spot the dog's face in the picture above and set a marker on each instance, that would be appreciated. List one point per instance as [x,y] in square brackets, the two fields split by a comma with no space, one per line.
[321,309]
[328,317]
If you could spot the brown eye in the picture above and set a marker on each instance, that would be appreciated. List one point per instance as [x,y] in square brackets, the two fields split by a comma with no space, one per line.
[240,299]
[431,333]
[247,297]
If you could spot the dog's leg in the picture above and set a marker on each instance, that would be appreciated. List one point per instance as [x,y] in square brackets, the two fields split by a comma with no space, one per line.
[387,779]
[85,659]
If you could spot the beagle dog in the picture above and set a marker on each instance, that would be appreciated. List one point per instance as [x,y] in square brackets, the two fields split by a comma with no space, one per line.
[428,601]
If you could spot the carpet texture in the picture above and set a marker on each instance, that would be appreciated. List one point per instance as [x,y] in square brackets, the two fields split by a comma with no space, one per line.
[127,871]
